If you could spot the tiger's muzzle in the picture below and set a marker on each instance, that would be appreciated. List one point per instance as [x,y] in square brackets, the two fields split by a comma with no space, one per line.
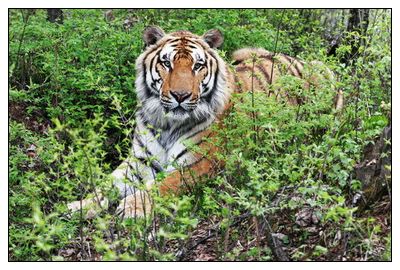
[180,96]
[179,102]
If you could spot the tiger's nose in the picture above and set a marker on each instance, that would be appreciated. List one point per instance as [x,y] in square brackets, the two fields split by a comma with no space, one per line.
[180,96]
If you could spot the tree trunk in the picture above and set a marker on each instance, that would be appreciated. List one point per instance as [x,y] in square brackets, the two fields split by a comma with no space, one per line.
[374,171]
[55,15]
[357,23]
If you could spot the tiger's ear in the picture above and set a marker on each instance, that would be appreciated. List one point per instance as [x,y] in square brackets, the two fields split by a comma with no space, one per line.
[213,38]
[152,34]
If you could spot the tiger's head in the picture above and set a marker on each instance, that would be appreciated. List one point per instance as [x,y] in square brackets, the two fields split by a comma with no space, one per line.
[180,76]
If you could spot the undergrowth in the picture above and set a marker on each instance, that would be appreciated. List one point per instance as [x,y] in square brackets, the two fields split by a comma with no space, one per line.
[287,186]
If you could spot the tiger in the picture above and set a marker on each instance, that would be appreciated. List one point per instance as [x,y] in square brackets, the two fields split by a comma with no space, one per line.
[184,88]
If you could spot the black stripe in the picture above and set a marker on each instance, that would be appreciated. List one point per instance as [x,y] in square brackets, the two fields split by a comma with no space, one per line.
[266,75]
[266,57]
[141,144]
[146,123]
[157,56]
[264,72]
[184,53]
[197,161]
[197,132]
[201,68]
[156,167]
[297,69]
[154,164]
[216,73]
[246,68]
[174,41]
[186,126]
[210,71]
[184,151]
[136,173]
[154,132]
[194,163]
[242,68]
[151,51]
[199,44]
[148,92]
[290,64]
[294,63]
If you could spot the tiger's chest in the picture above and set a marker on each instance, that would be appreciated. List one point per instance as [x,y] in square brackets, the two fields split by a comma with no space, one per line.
[171,147]
[165,147]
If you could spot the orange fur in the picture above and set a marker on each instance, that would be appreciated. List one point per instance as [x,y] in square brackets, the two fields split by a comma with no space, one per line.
[205,165]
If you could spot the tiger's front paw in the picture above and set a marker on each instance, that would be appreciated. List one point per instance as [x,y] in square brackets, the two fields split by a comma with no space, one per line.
[91,207]
[135,205]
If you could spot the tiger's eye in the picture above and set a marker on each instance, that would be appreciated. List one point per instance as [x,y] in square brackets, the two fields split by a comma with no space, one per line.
[167,64]
[197,66]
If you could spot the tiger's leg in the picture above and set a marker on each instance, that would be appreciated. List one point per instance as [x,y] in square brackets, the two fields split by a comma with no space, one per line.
[139,202]
[92,205]
[178,180]
[205,164]
[134,192]
[97,201]
[126,179]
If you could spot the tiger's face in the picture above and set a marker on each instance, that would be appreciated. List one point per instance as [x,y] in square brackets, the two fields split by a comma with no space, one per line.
[180,72]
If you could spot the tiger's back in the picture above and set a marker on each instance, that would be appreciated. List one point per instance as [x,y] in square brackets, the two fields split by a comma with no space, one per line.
[257,69]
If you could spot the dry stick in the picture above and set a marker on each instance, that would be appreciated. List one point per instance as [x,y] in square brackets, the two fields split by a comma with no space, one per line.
[134,192]
[143,199]
[145,224]
[226,238]
[181,253]
[81,224]
[153,233]
[357,84]
[227,233]
[90,254]
[275,246]
[255,221]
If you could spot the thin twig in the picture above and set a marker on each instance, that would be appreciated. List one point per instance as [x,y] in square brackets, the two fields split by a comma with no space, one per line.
[91,178]
[81,223]
[25,20]
[253,113]
[275,46]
